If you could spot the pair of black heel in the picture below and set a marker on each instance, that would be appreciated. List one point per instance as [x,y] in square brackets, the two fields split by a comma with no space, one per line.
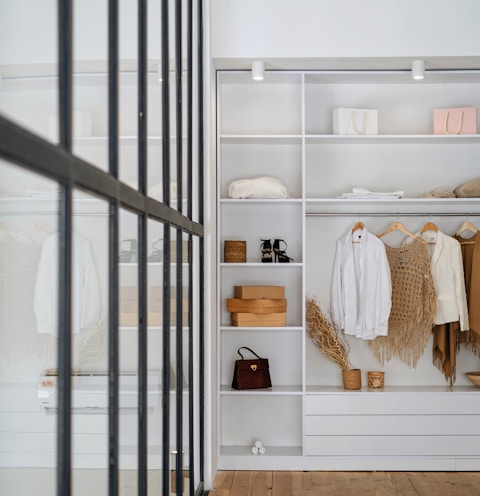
[278,250]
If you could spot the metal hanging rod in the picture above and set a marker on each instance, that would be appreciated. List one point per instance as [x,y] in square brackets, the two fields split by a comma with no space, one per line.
[54,213]
[393,214]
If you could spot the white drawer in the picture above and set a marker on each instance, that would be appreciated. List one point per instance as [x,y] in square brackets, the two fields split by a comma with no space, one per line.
[380,402]
[399,425]
[451,446]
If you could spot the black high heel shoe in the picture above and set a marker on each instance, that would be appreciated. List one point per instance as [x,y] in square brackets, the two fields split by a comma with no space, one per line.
[281,255]
[266,249]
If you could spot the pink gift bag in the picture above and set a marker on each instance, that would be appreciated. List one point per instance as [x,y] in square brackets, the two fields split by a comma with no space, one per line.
[461,120]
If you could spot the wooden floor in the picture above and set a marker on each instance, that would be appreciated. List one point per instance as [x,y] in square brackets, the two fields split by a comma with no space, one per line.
[240,483]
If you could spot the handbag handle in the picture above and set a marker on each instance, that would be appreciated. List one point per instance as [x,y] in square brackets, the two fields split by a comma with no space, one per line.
[445,123]
[246,348]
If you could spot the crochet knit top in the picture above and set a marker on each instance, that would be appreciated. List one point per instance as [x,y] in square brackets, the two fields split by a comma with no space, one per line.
[413,305]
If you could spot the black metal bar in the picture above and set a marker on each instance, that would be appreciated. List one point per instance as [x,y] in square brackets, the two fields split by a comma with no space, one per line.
[113,245]
[191,391]
[165,101]
[179,266]
[166,362]
[201,254]
[65,62]
[190,109]
[166,246]
[64,421]
[142,250]
[179,363]
[179,101]
[142,356]
[31,152]
[113,353]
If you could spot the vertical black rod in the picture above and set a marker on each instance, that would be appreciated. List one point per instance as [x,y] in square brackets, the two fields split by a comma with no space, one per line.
[179,266]
[142,249]
[166,248]
[192,388]
[142,356]
[64,422]
[113,340]
[201,305]
[65,62]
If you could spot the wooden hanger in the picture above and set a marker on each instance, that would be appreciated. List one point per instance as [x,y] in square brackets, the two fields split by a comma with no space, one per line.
[466,226]
[358,225]
[429,226]
[400,227]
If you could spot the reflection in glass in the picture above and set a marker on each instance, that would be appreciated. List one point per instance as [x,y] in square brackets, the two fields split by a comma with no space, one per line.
[155,354]
[89,345]
[28,338]
[28,90]
[128,344]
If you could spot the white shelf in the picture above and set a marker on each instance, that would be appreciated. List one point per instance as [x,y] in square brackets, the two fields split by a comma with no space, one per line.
[256,328]
[270,451]
[411,206]
[275,390]
[392,139]
[260,201]
[426,389]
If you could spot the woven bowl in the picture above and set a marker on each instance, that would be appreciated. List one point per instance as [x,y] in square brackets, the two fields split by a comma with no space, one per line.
[474,377]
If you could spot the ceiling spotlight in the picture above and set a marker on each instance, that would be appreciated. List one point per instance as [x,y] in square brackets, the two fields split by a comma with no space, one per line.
[418,69]
[258,70]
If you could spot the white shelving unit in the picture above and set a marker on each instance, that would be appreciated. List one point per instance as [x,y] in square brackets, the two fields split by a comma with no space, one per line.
[282,127]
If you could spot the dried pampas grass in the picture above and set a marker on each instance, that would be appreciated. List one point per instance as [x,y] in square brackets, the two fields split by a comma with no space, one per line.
[325,337]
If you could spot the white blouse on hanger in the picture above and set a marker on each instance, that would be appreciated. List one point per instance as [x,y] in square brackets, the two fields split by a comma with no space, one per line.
[447,273]
[86,295]
[361,288]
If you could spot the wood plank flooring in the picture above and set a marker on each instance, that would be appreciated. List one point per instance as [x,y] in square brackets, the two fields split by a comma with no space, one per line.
[265,483]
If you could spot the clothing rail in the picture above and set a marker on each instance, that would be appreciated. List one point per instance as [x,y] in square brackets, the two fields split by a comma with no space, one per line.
[51,213]
[393,214]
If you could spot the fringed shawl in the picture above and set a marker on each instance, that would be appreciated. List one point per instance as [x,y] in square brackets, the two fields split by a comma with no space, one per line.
[413,305]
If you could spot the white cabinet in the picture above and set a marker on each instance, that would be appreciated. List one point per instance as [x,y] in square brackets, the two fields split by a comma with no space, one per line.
[282,127]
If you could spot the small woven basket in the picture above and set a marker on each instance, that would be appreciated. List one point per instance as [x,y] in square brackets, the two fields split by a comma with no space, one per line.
[376,379]
[235,251]
[352,379]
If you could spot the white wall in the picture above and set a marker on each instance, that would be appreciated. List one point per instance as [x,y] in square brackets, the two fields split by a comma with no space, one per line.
[310,33]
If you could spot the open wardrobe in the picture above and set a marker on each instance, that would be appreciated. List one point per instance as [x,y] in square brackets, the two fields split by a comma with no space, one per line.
[372,206]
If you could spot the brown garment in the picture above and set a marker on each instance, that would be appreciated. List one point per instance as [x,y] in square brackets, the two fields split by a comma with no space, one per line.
[413,305]
[445,349]
[471,268]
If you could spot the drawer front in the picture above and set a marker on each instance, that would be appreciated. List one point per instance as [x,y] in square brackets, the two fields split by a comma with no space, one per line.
[383,403]
[384,425]
[451,446]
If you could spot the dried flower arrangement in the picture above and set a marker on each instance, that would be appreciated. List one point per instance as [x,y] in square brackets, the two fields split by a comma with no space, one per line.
[325,337]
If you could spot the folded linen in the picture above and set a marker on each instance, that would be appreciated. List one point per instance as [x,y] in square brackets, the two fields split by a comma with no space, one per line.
[363,193]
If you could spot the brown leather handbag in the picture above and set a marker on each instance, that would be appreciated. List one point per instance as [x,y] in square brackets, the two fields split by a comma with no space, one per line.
[251,374]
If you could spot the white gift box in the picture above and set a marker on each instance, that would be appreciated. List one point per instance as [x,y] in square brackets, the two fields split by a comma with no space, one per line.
[355,121]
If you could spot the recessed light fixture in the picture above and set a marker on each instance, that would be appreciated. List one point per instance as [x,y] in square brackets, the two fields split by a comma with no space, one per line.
[418,69]
[258,70]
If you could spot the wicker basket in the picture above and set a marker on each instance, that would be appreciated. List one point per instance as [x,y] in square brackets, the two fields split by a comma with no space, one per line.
[376,379]
[352,379]
[235,251]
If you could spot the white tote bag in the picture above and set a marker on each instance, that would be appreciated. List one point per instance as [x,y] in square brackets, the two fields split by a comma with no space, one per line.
[355,121]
